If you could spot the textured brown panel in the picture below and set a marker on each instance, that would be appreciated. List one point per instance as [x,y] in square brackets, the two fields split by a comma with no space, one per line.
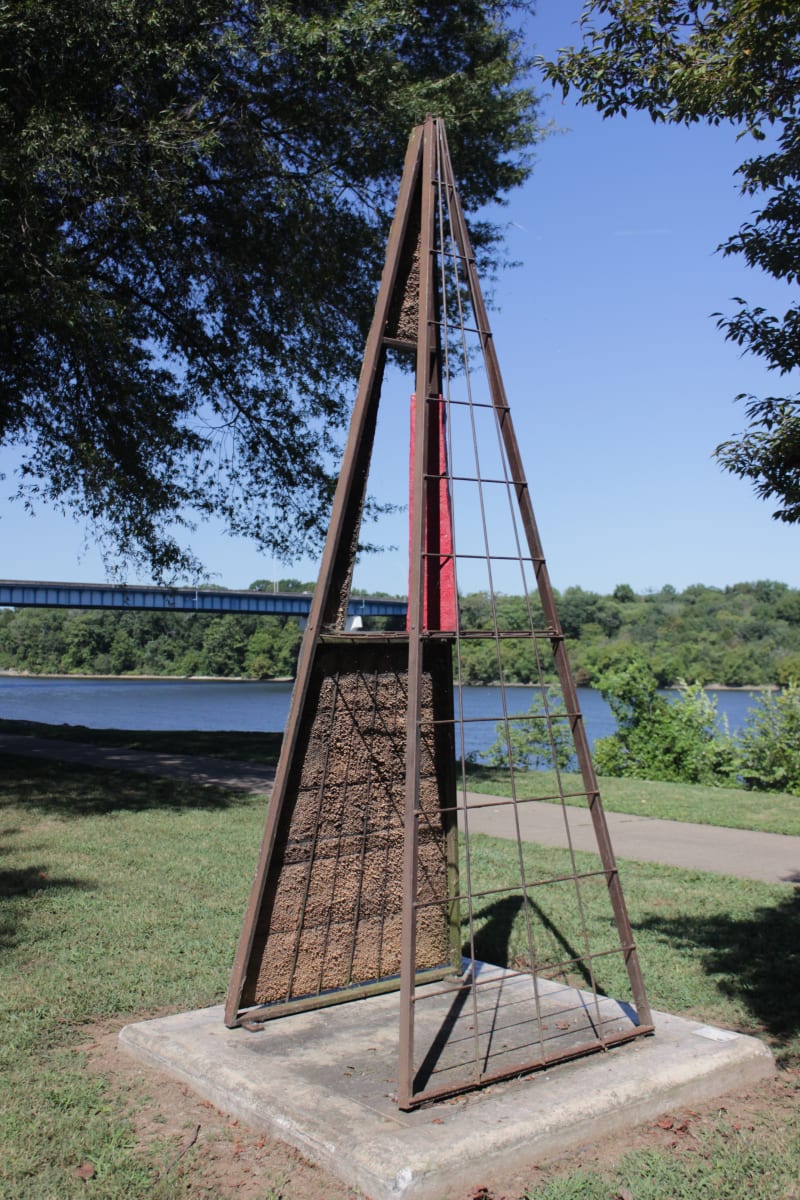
[332,909]
[403,319]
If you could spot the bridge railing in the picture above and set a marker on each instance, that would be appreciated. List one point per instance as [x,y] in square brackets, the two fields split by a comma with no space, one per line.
[18,593]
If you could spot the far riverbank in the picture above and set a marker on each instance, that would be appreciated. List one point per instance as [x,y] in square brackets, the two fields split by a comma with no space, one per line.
[284,679]
[13,674]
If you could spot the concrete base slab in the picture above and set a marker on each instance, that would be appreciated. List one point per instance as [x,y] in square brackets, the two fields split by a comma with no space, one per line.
[324,1081]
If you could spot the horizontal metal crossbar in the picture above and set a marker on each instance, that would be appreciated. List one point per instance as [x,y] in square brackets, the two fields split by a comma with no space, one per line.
[506,635]
[481,635]
[516,889]
[500,802]
[446,325]
[517,483]
[515,558]
[558,714]
[509,973]
[448,402]
[484,1077]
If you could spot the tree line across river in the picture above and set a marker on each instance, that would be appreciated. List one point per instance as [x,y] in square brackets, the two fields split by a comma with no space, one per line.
[747,634]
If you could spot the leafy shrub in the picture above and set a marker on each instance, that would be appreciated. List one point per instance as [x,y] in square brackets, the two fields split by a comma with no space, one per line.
[769,743]
[677,741]
[533,742]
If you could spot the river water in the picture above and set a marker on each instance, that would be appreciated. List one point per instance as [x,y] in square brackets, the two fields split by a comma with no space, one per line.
[237,705]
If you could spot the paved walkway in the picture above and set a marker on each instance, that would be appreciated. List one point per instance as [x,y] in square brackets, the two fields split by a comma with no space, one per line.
[197,769]
[770,857]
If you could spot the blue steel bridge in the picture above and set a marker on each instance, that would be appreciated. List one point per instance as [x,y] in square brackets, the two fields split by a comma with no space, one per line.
[23,593]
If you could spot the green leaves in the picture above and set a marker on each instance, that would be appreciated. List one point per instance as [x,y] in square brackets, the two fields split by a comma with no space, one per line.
[538,741]
[194,200]
[768,453]
[673,740]
[770,743]
[685,61]
[679,740]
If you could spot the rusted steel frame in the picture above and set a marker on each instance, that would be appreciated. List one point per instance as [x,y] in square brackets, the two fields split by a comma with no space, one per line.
[442,222]
[327,599]
[551,616]
[453,212]
[508,975]
[510,890]
[547,598]
[528,1068]
[459,793]
[426,375]
[261,1013]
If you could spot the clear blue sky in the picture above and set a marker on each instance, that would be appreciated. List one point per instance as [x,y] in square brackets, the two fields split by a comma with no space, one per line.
[619,382]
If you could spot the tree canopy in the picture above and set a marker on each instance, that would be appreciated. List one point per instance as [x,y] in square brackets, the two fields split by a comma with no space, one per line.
[195,199]
[686,61]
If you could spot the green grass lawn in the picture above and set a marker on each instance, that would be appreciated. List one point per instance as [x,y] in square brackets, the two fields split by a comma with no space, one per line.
[118,894]
[122,895]
[732,807]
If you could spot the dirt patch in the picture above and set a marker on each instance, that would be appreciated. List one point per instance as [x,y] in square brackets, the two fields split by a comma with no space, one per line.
[215,1155]
[770,1105]
[186,1136]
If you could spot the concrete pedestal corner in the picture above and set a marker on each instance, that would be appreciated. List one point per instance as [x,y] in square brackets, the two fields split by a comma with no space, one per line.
[324,1082]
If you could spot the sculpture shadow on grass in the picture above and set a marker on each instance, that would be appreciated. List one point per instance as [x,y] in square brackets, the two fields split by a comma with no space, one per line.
[492,941]
[19,884]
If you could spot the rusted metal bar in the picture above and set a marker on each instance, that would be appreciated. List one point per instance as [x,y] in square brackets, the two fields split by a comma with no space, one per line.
[358,991]
[427,384]
[564,1055]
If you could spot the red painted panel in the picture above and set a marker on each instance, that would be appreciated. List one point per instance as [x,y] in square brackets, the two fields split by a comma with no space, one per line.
[440,605]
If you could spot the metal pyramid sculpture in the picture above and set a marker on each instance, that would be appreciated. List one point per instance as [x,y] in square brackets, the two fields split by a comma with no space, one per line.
[388,863]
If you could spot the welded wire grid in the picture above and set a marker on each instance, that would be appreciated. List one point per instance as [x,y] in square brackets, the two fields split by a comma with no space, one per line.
[331,923]
[557,927]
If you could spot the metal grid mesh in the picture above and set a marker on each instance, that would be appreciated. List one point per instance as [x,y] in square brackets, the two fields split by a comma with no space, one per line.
[562,933]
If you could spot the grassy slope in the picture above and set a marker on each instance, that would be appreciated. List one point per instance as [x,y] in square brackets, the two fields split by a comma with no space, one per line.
[122,894]
[731,807]
[117,896]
